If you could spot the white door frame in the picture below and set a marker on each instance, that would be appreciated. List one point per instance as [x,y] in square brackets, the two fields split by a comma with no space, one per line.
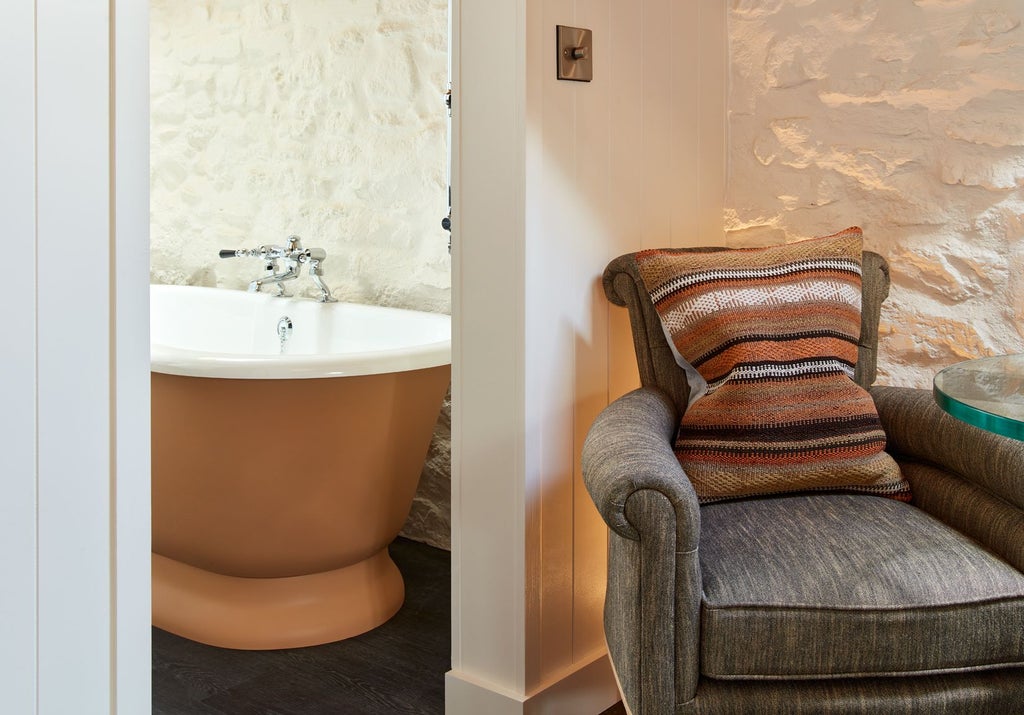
[74,194]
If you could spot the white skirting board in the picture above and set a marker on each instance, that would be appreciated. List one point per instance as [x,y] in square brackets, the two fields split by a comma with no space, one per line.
[588,688]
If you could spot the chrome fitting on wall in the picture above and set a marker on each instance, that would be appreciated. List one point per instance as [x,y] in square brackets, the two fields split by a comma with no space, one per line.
[292,256]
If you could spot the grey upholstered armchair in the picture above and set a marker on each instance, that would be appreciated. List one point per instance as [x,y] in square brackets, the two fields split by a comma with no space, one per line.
[820,603]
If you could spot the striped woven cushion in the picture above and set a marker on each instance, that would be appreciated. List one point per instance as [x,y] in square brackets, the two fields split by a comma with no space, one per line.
[773,332]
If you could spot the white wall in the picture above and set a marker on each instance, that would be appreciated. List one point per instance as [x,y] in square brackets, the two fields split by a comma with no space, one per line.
[130,498]
[18,613]
[321,118]
[554,180]
[75,522]
[903,118]
[633,159]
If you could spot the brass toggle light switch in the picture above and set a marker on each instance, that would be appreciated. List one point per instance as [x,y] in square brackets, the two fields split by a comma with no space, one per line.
[575,53]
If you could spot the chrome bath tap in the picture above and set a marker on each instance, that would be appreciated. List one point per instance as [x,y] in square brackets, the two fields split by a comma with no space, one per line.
[292,256]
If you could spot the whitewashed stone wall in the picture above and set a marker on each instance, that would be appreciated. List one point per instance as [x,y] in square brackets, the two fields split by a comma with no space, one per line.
[907,119]
[321,118]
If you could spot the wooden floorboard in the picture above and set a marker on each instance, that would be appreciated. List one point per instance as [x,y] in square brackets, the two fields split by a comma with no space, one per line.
[396,669]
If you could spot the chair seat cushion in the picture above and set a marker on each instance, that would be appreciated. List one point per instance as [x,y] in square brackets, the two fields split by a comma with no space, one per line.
[839,585]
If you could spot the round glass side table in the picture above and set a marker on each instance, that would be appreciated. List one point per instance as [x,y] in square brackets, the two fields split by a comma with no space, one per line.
[987,393]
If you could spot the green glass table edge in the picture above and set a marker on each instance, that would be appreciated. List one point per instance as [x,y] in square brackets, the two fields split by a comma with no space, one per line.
[1004,426]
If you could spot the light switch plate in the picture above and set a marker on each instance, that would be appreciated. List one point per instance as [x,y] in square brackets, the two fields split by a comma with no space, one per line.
[575,53]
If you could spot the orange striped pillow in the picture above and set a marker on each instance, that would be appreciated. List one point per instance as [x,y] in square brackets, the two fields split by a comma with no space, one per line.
[773,333]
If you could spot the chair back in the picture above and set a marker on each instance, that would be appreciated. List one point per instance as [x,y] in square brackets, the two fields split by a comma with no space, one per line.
[658,368]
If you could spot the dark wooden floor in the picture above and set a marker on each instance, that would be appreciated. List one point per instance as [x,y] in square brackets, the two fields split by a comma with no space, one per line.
[394,669]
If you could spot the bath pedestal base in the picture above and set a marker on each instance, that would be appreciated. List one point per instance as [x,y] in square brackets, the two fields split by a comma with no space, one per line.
[270,613]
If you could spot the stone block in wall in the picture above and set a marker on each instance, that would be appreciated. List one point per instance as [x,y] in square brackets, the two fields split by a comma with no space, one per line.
[905,119]
[430,519]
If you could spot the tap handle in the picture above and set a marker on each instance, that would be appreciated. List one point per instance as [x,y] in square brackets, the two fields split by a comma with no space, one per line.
[312,255]
[265,252]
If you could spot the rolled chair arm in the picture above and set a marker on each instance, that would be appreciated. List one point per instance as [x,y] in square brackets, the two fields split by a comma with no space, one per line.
[629,449]
[915,426]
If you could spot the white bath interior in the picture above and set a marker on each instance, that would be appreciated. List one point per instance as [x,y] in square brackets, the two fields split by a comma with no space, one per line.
[209,332]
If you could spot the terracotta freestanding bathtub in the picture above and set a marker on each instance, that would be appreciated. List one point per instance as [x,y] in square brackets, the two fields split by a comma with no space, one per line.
[282,471]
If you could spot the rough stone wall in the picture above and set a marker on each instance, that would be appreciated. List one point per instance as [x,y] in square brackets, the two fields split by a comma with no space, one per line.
[430,519]
[907,119]
[320,118]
